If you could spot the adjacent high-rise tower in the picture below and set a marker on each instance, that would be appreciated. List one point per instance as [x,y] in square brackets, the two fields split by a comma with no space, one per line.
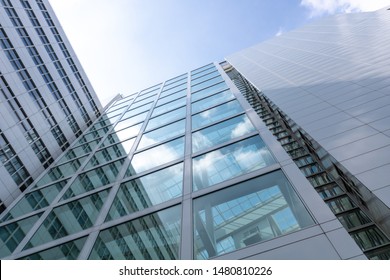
[46,98]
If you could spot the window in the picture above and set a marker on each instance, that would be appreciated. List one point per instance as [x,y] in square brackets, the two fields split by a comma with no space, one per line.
[69,218]
[211,101]
[166,118]
[155,236]
[157,156]
[230,161]
[221,132]
[66,251]
[247,213]
[94,178]
[161,134]
[147,191]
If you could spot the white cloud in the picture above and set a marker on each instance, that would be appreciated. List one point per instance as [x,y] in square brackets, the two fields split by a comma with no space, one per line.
[320,7]
[280,32]
[242,128]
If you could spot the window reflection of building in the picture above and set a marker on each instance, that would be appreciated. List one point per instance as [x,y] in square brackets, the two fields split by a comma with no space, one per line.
[250,212]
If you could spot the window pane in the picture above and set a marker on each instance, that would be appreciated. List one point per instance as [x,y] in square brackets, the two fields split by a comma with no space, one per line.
[161,134]
[166,118]
[70,218]
[221,132]
[247,213]
[201,69]
[208,91]
[122,135]
[12,234]
[93,179]
[230,161]
[110,153]
[211,101]
[171,97]
[67,251]
[169,106]
[147,191]
[204,72]
[157,156]
[173,89]
[35,200]
[353,219]
[215,114]
[153,237]
[135,111]
[61,171]
[204,77]
[131,121]
[79,151]
[369,238]
[143,101]
[207,83]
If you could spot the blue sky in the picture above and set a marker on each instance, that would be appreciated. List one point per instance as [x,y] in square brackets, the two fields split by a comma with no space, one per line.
[128,45]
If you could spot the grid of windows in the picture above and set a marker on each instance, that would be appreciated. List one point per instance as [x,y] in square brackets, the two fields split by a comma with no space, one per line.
[32,89]
[128,172]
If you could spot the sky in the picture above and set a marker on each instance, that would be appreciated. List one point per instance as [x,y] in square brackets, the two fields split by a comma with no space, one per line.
[125,46]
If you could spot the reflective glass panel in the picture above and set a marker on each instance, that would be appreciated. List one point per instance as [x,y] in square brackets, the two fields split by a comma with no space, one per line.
[12,234]
[368,238]
[203,68]
[147,94]
[107,119]
[208,91]
[116,108]
[147,191]
[135,111]
[153,88]
[35,200]
[230,161]
[131,121]
[353,219]
[161,134]
[179,85]
[157,156]
[66,251]
[211,101]
[61,171]
[152,237]
[69,218]
[204,77]
[110,153]
[97,133]
[202,73]
[122,135]
[173,89]
[94,178]
[88,137]
[221,132]
[247,213]
[215,114]
[169,106]
[143,101]
[207,83]
[79,151]
[125,100]
[171,97]
[166,118]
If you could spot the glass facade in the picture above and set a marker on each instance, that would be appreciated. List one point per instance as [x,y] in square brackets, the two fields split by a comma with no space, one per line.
[129,176]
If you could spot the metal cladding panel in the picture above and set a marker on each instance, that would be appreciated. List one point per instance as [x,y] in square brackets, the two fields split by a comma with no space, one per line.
[337,66]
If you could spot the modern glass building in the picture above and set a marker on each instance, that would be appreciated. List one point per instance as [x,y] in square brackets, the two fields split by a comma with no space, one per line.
[46,100]
[227,161]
